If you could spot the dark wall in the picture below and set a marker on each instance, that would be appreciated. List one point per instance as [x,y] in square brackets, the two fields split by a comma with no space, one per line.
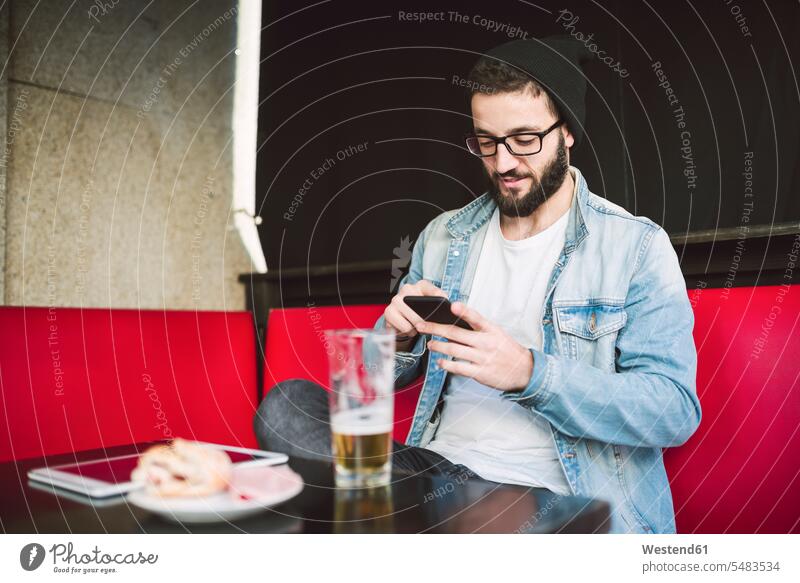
[339,74]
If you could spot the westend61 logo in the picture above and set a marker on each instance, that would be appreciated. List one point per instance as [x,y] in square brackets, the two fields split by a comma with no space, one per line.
[65,560]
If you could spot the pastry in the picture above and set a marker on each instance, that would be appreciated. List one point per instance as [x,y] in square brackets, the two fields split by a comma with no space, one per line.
[183,468]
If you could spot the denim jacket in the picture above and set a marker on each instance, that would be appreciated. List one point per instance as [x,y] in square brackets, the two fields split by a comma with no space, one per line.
[616,374]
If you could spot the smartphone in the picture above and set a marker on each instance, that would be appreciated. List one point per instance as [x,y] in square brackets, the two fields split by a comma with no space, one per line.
[435,309]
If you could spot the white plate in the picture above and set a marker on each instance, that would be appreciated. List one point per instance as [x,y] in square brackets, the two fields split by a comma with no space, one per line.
[221,507]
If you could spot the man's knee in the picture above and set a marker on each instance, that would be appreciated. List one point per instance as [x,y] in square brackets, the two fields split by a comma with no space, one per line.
[280,400]
[285,400]
[292,418]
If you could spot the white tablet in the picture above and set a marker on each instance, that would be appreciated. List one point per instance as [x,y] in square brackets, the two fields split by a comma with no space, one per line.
[112,476]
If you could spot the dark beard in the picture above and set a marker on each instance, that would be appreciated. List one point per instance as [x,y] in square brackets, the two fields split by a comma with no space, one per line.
[553,177]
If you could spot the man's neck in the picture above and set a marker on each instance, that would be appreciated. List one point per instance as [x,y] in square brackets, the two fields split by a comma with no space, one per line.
[517,228]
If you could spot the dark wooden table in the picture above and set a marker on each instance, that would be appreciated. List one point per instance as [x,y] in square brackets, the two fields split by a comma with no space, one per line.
[412,504]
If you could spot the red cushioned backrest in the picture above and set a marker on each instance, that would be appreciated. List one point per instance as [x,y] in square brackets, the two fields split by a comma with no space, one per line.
[740,472]
[73,379]
[295,349]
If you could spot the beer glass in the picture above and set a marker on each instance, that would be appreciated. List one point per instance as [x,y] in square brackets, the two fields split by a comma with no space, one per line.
[361,405]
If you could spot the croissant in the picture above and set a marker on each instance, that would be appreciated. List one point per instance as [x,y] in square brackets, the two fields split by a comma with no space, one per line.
[183,468]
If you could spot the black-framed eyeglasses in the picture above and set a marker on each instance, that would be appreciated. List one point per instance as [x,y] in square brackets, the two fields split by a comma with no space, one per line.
[519,144]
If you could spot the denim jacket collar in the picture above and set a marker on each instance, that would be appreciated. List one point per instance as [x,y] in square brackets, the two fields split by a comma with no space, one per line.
[473,216]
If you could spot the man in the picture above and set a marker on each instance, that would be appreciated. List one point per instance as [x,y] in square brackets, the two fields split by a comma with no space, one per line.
[581,365]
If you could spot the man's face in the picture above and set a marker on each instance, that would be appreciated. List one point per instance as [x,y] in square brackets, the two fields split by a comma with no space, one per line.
[520,184]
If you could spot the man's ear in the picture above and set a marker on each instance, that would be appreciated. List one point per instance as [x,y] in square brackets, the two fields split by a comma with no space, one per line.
[569,139]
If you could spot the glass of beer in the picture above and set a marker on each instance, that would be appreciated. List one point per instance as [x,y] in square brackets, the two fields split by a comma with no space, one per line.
[361,405]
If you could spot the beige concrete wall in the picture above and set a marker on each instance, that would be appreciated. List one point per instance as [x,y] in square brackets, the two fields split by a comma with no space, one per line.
[119,185]
[3,138]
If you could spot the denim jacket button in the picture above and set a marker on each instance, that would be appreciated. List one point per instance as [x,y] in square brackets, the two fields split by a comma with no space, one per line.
[456,253]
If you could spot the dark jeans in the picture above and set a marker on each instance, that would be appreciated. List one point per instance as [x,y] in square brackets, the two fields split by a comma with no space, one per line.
[294,419]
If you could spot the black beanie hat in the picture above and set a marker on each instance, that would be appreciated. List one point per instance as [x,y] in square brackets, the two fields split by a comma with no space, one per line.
[555,63]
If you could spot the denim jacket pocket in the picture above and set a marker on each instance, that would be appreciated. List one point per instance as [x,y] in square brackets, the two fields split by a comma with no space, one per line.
[588,332]
[430,429]
[401,363]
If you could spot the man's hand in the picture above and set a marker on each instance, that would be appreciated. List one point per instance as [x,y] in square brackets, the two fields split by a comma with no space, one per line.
[399,317]
[486,353]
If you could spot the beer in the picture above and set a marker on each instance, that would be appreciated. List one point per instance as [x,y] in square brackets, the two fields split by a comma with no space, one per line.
[361,405]
[362,445]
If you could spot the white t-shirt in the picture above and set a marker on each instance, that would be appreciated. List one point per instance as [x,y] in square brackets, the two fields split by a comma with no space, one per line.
[498,439]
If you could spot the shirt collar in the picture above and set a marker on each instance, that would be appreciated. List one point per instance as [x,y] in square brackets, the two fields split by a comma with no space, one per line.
[473,216]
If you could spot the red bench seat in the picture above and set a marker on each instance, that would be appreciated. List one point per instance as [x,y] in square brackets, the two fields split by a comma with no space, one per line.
[75,379]
[739,473]
[295,349]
